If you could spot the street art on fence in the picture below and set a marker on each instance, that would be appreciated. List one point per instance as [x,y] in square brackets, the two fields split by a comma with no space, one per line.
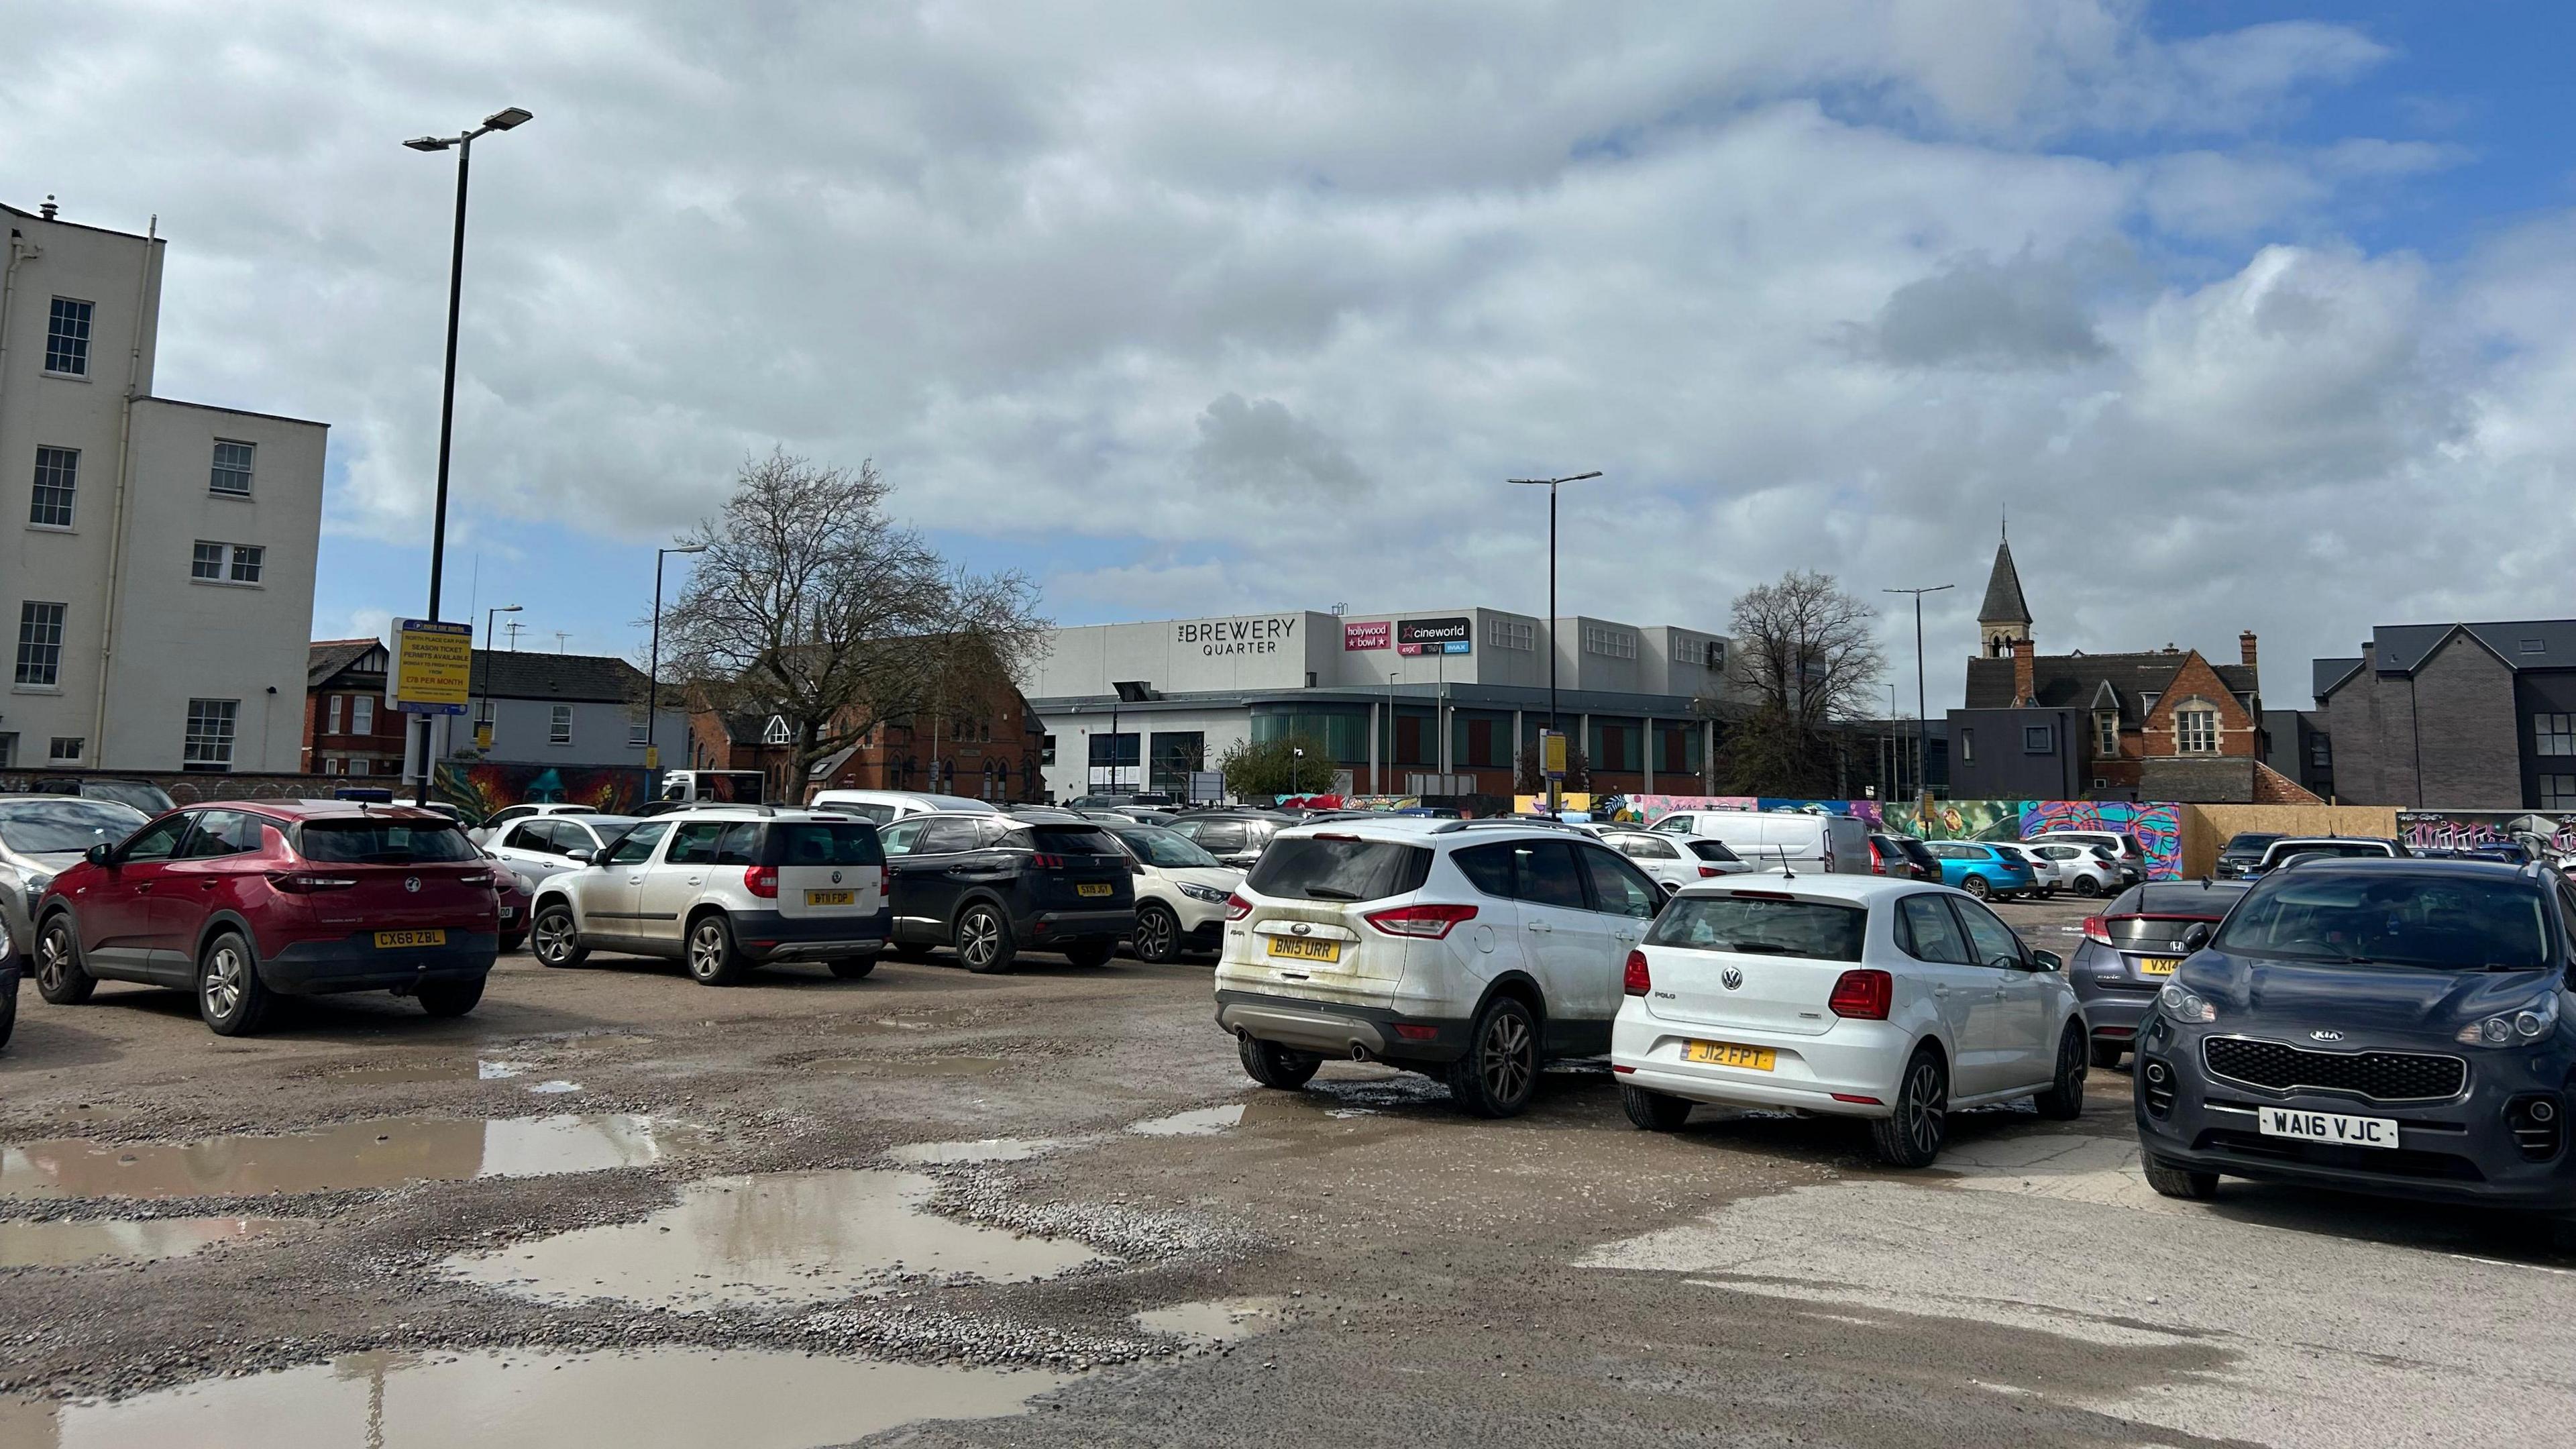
[480,789]
[2549,837]
[2157,828]
[1647,809]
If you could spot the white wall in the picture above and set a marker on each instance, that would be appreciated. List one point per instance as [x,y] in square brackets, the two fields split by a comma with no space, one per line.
[1069,775]
[1183,656]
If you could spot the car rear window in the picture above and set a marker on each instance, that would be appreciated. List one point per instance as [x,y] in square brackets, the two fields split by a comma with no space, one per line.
[2180,900]
[814,842]
[381,842]
[1816,930]
[1064,840]
[1338,868]
[2381,919]
[1712,850]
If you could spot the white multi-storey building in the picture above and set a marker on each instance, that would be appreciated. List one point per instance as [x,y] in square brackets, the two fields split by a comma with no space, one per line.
[156,578]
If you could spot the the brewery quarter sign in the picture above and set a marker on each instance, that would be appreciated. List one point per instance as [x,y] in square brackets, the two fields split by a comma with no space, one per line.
[1217,638]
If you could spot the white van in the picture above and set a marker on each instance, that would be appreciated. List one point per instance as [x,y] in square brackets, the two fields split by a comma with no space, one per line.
[884,807]
[1769,839]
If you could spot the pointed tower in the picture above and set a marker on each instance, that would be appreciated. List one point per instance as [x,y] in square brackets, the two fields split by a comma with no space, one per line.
[2004,619]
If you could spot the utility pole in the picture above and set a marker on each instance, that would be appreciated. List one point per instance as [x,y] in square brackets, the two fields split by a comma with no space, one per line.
[1550,484]
[1922,717]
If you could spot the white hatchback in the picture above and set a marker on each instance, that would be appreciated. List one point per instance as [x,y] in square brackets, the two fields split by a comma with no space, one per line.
[1857,996]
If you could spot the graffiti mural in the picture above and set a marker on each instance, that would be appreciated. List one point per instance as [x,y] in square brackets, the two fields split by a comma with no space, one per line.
[480,789]
[2543,837]
[1958,820]
[2157,828]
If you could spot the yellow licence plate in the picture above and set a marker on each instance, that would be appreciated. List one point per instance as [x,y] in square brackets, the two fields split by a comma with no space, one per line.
[1298,948]
[1728,1054]
[1092,890]
[831,898]
[2158,965]
[396,940]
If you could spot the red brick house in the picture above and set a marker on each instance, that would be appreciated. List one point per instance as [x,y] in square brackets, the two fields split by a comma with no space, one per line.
[348,730]
[989,754]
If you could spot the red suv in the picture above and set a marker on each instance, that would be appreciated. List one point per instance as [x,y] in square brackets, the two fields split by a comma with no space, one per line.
[243,901]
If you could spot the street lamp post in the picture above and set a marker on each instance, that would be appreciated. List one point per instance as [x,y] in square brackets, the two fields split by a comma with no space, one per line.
[1550,485]
[1921,717]
[480,742]
[1386,762]
[508,118]
[1296,758]
[653,670]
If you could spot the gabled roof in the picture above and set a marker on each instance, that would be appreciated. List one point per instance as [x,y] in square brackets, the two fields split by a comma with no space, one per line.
[2403,648]
[2004,604]
[584,678]
[2326,674]
[326,658]
[2078,681]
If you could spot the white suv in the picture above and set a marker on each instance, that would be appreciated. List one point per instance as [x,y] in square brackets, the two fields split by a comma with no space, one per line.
[1468,950]
[1181,893]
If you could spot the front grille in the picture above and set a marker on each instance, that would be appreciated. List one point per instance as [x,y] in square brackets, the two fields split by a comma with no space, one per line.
[2385,1161]
[2379,1076]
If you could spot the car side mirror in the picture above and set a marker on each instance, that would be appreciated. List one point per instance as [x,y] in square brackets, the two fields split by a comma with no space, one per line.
[2047,961]
[580,853]
[2197,937]
[100,855]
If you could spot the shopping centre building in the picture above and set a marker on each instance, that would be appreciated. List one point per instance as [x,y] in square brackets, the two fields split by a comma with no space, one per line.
[1427,702]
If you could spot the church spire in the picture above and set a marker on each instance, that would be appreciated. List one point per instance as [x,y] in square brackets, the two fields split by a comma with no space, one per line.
[2004,619]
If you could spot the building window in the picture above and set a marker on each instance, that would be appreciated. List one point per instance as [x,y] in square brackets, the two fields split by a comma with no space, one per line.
[1175,756]
[210,734]
[1967,747]
[2147,702]
[231,474]
[1046,749]
[2320,752]
[248,558]
[2553,734]
[66,750]
[2038,740]
[773,733]
[2196,731]
[2106,734]
[57,473]
[362,714]
[559,726]
[1609,643]
[2558,792]
[637,737]
[1504,633]
[217,563]
[67,338]
[331,714]
[8,751]
[207,562]
[2534,646]
[40,644]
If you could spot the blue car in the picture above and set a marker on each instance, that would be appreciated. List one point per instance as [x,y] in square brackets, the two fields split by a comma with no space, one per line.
[2401,1027]
[1982,870]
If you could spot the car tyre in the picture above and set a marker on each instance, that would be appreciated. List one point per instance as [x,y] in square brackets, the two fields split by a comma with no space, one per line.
[1158,934]
[555,939]
[714,959]
[1091,953]
[985,945]
[2087,887]
[2107,1054]
[451,998]
[1975,885]
[8,1016]
[1911,1135]
[854,968]
[2180,1182]
[230,996]
[1499,1073]
[1276,1066]
[2064,1099]
[1654,1111]
[911,951]
[60,977]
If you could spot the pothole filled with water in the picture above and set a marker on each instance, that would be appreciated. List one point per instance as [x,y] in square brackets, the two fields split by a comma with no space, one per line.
[769,1240]
[352,1155]
[989,1149]
[1218,1320]
[66,1244]
[440,1069]
[1204,1122]
[741,1400]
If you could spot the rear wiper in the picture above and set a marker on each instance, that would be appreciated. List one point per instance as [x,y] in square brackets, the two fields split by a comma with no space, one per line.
[1333,893]
[1762,948]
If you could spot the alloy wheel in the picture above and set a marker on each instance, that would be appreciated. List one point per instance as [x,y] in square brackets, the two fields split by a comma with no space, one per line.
[1924,1107]
[554,939]
[223,988]
[706,950]
[1154,936]
[978,938]
[1506,1063]
[53,958]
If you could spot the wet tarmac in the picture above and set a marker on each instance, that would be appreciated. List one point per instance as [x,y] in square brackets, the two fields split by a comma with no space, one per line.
[533,1401]
[771,1240]
[988,1149]
[377,1153]
[1204,1122]
[1218,1320]
[67,1244]
[909,1066]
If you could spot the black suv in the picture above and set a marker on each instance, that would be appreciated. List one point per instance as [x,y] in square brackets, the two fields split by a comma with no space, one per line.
[992,886]
[2244,851]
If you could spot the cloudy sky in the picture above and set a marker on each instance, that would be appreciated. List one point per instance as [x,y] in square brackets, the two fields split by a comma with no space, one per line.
[2255,316]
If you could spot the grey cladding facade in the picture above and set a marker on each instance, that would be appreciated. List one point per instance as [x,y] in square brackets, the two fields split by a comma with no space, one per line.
[2455,716]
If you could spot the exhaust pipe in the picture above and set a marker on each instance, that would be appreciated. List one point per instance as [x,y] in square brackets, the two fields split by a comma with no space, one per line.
[1359,1053]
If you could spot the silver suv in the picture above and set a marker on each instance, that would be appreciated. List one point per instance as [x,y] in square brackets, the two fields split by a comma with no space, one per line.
[723,890]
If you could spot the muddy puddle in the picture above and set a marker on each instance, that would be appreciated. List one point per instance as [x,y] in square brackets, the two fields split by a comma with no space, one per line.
[407,1073]
[1218,1320]
[742,1400]
[989,1149]
[909,1066]
[769,1240]
[353,1155]
[1205,1122]
[66,1244]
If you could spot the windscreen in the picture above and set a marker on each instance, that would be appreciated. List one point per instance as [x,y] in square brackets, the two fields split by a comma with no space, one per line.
[2379,919]
[2246,847]
[815,842]
[65,826]
[1063,840]
[1166,850]
[382,842]
[1318,868]
[149,798]
[1817,930]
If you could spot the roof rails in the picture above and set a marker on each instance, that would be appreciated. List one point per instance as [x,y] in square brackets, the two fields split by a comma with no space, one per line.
[1451,827]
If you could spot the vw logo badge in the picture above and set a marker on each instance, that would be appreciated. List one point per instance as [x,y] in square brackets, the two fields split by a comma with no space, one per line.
[1301,929]
[411,883]
[2324,1035]
[1732,977]
[836,877]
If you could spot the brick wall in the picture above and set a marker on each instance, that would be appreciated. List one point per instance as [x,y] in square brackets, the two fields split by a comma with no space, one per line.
[2352,723]
[2472,755]
[2195,684]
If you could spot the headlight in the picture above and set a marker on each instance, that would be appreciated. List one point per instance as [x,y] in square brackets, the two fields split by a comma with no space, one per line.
[2184,1005]
[1209,894]
[2513,1028]
[36,881]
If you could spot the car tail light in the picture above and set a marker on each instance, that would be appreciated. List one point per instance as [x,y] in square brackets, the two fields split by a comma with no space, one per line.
[1409,1031]
[475,878]
[1864,995]
[1045,860]
[1707,872]
[2097,929]
[1428,922]
[1639,980]
[761,880]
[1857,1099]
[305,883]
[1236,908]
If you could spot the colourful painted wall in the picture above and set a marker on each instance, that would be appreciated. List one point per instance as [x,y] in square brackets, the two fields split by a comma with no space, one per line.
[2157,827]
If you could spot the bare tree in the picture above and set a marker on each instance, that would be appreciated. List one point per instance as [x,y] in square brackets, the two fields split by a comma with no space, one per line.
[810,603]
[1806,654]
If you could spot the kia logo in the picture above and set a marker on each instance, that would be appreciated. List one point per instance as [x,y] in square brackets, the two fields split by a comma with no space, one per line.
[1732,977]
[412,883]
[2322,1035]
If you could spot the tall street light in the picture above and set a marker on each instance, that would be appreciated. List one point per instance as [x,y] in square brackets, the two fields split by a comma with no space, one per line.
[1922,720]
[653,672]
[483,741]
[509,118]
[1550,485]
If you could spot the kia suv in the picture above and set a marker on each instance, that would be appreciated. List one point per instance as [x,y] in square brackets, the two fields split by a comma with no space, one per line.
[993,886]
[1468,950]
[247,900]
[723,889]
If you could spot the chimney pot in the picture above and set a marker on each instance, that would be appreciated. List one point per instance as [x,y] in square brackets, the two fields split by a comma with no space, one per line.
[2245,647]
[48,209]
[2025,688]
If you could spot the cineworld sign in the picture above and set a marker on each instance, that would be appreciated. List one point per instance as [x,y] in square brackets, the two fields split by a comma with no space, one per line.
[1434,636]
[1218,638]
